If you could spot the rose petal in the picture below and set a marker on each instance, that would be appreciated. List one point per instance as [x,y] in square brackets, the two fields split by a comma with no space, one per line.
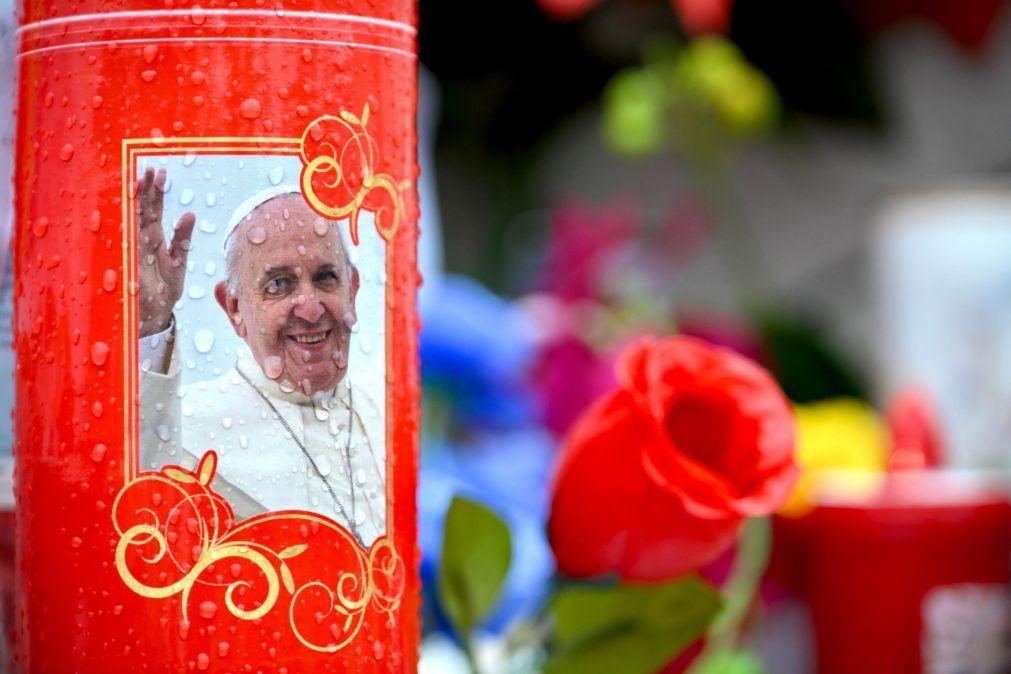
[609,516]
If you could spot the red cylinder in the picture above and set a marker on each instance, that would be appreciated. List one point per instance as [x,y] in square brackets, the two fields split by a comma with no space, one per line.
[215,328]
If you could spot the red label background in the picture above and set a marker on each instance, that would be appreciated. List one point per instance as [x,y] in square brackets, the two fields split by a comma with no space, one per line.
[85,86]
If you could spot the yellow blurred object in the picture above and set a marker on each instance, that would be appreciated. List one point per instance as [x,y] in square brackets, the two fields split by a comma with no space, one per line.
[840,434]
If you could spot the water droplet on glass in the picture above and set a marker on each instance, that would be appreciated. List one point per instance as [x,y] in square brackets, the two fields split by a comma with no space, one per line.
[162,431]
[208,609]
[203,661]
[210,268]
[186,196]
[148,75]
[243,440]
[208,226]
[301,250]
[349,320]
[98,452]
[322,414]
[189,158]
[250,108]
[150,53]
[197,15]
[40,226]
[257,235]
[203,340]
[223,649]
[226,422]
[96,102]
[99,353]
[196,292]
[67,152]
[320,226]
[211,199]
[109,279]
[276,175]
[323,464]
[273,366]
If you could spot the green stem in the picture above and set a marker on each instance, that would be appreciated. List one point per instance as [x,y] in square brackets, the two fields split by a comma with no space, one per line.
[468,651]
[739,592]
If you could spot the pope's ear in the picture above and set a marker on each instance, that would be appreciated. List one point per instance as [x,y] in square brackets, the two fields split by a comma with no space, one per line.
[355,284]
[230,305]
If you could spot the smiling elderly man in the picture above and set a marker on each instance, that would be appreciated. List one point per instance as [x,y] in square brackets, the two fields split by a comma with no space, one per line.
[286,424]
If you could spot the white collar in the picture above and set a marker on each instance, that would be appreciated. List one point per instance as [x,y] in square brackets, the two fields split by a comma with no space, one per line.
[339,395]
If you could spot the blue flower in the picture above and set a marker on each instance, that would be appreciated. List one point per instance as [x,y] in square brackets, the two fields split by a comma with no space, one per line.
[476,349]
[508,472]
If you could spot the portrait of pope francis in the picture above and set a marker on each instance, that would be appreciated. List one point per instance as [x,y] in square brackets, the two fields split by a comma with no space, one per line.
[288,425]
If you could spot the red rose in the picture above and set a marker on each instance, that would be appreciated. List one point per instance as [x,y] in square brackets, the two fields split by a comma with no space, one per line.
[656,478]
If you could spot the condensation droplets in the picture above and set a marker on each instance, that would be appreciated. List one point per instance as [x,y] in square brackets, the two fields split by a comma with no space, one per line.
[99,353]
[250,108]
[109,280]
[203,340]
[257,235]
[273,366]
[98,452]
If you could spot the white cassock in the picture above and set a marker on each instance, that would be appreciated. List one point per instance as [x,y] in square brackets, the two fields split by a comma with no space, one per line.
[260,467]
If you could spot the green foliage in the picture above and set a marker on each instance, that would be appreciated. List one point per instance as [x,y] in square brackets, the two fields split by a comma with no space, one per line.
[729,662]
[476,552]
[634,109]
[804,364]
[628,628]
[696,98]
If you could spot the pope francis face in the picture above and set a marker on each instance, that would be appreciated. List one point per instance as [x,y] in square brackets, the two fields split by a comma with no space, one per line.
[290,293]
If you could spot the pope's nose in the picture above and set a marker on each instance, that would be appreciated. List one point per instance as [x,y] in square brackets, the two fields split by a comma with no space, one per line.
[308,307]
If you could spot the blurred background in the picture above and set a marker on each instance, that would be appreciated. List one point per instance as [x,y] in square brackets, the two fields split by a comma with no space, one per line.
[822,186]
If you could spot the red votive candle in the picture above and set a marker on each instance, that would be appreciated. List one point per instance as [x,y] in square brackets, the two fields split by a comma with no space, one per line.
[215,334]
[912,577]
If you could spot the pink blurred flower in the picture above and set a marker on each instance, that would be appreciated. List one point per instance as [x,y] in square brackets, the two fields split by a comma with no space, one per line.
[723,331]
[568,376]
[584,240]
[916,442]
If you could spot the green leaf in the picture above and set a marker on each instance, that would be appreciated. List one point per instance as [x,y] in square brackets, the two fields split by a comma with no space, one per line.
[803,362]
[476,551]
[628,628]
[729,662]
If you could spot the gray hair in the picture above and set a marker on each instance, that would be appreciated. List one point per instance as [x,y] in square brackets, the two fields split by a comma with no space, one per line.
[233,251]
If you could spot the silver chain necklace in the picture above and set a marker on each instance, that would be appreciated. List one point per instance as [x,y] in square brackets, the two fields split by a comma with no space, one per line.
[347,455]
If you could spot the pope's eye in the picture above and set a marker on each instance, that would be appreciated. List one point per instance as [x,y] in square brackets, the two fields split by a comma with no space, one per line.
[326,279]
[276,286]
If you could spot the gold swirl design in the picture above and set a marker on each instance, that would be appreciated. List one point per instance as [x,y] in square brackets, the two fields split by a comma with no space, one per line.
[354,149]
[377,580]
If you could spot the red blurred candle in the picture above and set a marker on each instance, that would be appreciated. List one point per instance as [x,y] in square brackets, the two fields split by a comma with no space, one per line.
[196,531]
[912,579]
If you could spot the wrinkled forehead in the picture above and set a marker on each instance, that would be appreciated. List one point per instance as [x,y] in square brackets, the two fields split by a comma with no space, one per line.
[287,222]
